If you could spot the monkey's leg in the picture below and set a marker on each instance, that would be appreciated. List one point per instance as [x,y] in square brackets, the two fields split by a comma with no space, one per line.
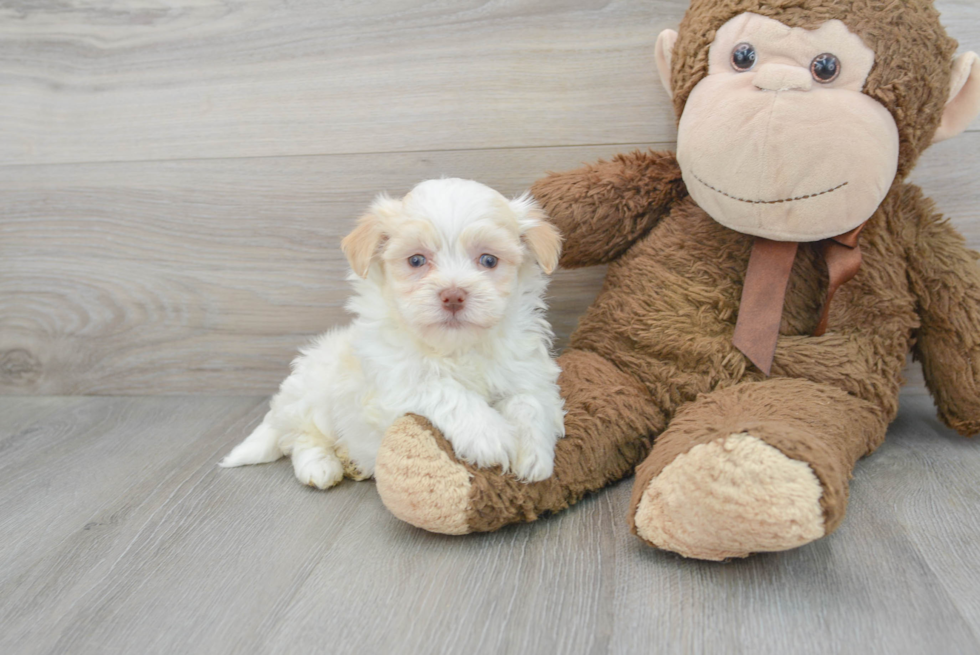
[761,466]
[610,423]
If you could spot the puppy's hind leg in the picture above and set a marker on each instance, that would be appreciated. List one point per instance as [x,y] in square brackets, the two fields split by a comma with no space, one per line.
[315,462]
[258,448]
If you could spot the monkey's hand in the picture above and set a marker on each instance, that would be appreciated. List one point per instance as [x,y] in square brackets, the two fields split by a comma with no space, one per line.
[945,276]
[601,209]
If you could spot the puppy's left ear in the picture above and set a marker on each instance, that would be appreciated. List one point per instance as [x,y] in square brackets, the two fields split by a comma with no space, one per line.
[541,237]
[361,245]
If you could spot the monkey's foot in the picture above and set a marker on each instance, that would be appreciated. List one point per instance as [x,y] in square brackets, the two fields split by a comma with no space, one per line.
[760,466]
[729,498]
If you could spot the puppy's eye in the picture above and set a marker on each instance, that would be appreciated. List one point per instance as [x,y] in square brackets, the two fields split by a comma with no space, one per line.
[416,261]
[488,261]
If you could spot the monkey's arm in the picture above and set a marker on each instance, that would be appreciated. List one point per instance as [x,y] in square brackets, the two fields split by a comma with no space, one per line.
[945,277]
[601,209]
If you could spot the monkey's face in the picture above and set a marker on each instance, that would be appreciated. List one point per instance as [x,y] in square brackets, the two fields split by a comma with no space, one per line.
[778,139]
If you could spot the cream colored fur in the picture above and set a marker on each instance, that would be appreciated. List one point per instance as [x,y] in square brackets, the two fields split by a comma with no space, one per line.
[479,368]
[734,495]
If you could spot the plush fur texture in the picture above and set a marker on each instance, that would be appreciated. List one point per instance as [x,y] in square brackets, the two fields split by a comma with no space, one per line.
[439,330]
[731,482]
[440,504]
[651,377]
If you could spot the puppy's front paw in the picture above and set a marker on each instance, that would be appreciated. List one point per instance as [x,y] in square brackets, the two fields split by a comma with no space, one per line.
[534,462]
[321,470]
[536,430]
[485,439]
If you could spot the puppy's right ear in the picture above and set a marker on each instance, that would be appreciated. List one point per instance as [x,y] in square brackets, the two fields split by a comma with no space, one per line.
[541,237]
[361,245]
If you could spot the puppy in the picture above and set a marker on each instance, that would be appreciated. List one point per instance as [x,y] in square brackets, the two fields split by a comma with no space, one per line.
[449,324]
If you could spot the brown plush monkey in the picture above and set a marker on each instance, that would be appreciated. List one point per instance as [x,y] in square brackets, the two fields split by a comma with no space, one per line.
[713,361]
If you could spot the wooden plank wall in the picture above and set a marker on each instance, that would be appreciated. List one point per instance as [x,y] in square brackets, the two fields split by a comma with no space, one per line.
[175,177]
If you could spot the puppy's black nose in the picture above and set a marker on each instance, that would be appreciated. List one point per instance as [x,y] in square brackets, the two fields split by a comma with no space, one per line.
[452,299]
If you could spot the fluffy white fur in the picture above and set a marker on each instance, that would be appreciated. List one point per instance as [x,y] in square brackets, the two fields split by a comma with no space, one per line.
[480,370]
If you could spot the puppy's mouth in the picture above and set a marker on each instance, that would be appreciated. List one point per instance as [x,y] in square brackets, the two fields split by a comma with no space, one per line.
[452,321]
[455,322]
[462,321]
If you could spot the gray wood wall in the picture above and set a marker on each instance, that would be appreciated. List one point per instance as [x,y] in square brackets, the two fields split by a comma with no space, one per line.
[175,177]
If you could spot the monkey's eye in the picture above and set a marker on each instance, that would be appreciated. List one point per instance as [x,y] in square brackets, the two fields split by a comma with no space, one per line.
[825,68]
[488,261]
[743,57]
[416,261]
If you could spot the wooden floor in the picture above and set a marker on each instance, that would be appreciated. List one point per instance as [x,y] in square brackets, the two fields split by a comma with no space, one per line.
[119,534]
[175,178]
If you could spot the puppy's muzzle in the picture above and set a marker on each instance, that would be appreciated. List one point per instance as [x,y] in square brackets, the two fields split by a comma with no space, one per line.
[453,299]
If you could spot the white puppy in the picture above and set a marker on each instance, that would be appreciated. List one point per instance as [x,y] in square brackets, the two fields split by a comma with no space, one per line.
[449,324]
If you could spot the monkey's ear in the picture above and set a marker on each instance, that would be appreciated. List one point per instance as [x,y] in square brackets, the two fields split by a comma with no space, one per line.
[964,97]
[541,237]
[361,245]
[664,51]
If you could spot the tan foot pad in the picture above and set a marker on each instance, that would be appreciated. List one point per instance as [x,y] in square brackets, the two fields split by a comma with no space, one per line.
[730,498]
[419,482]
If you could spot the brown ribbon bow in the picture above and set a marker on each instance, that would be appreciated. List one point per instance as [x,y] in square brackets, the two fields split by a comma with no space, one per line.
[761,308]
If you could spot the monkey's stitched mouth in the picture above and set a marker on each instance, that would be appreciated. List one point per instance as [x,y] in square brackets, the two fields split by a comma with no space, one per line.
[769,202]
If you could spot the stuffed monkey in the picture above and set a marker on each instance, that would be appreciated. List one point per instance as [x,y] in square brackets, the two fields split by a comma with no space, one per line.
[765,284]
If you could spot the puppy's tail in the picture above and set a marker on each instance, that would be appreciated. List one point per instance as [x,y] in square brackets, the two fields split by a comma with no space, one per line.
[259,447]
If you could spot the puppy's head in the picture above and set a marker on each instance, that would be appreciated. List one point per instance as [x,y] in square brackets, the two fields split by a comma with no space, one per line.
[449,255]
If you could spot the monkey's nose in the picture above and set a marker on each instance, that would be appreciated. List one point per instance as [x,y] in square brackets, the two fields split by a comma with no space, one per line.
[780,77]
[453,299]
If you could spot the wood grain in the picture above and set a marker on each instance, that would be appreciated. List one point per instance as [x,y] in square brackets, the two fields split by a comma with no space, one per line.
[217,78]
[154,265]
[206,276]
[924,477]
[120,534]
[88,82]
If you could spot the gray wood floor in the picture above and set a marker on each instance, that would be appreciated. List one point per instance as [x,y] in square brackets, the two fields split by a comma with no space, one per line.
[119,534]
